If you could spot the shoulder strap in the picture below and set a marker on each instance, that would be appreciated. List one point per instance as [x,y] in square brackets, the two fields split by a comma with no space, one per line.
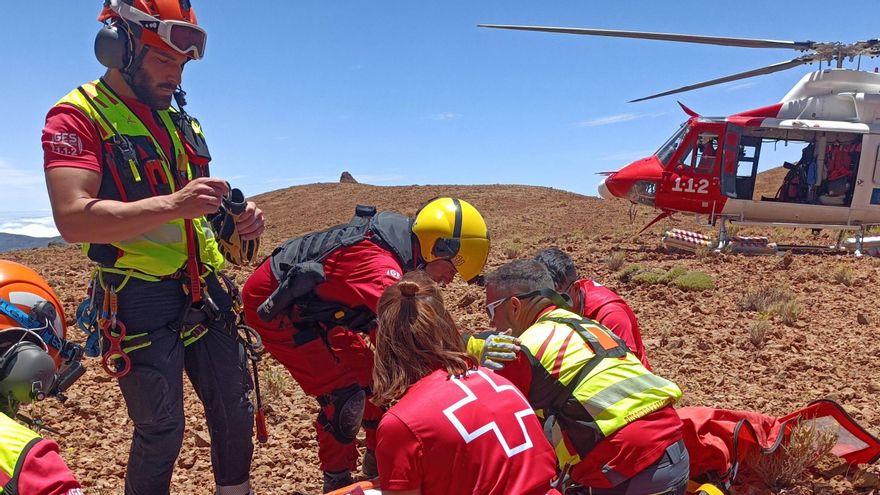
[305,255]
[117,136]
[602,348]
[120,142]
[393,231]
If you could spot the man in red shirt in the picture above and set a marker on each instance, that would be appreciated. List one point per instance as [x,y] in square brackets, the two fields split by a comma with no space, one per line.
[314,300]
[594,300]
[614,429]
[452,427]
[128,177]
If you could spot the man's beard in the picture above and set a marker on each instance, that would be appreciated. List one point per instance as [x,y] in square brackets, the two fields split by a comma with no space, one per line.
[144,88]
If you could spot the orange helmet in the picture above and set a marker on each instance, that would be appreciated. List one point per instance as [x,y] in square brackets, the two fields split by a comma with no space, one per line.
[25,289]
[166,24]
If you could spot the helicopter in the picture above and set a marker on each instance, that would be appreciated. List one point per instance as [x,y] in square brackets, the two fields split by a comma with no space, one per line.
[709,166]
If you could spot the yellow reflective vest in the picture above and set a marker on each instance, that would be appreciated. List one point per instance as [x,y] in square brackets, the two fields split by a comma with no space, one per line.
[15,442]
[143,172]
[585,384]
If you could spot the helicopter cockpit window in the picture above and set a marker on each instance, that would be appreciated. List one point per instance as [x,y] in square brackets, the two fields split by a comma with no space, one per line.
[670,146]
[703,155]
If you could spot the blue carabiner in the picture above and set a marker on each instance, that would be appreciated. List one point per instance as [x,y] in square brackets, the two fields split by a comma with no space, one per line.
[87,321]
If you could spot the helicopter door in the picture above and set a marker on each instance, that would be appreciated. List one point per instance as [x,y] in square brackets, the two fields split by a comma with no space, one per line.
[730,160]
[690,180]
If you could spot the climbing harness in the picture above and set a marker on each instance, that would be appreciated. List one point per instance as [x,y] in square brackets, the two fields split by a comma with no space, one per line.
[253,346]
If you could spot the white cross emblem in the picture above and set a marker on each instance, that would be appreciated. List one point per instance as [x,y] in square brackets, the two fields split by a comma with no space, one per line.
[492,426]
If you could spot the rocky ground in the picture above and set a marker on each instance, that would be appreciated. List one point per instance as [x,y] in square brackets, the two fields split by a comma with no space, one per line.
[701,340]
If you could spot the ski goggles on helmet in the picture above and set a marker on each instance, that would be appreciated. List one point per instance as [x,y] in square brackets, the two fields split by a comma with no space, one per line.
[184,37]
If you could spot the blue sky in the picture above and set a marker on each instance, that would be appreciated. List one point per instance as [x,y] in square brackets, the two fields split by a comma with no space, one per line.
[403,92]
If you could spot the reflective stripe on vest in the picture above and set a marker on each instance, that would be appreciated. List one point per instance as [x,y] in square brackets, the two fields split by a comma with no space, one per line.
[15,442]
[162,250]
[614,393]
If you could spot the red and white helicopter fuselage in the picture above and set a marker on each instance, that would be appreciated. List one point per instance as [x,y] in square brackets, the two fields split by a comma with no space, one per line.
[709,166]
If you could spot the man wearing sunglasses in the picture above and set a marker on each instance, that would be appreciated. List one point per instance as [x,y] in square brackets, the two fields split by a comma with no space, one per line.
[610,420]
[594,300]
[128,177]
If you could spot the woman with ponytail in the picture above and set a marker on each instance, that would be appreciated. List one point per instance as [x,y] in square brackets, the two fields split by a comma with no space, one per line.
[452,426]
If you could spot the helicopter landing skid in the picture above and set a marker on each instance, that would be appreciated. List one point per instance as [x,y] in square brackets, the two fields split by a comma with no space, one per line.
[857,245]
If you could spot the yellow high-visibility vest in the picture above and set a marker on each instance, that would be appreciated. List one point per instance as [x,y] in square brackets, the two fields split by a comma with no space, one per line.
[162,250]
[585,384]
[15,442]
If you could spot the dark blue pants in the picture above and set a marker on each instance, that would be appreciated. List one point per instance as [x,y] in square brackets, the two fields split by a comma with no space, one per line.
[153,390]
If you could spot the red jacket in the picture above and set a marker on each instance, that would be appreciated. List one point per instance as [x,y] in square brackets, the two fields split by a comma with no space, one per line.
[601,304]
[43,472]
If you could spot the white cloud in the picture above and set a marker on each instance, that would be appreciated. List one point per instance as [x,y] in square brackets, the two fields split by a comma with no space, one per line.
[31,226]
[446,116]
[17,177]
[24,187]
[615,119]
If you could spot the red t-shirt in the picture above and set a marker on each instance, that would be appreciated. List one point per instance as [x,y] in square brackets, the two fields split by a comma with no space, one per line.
[603,305]
[472,435]
[44,472]
[70,139]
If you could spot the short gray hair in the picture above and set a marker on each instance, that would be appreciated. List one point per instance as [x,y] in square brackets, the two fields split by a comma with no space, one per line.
[519,277]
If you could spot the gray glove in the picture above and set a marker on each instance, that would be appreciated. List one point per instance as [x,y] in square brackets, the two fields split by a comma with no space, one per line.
[498,350]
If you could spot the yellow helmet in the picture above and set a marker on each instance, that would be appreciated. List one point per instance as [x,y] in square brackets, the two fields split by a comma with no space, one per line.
[452,229]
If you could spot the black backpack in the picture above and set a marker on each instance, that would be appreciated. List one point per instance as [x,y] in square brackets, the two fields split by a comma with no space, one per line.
[298,266]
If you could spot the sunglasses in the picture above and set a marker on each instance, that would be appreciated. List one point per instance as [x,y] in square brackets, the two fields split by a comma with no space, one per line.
[550,294]
[184,37]
[490,308]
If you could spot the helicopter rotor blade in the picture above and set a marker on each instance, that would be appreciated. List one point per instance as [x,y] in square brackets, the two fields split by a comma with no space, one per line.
[806,59]
[684,38]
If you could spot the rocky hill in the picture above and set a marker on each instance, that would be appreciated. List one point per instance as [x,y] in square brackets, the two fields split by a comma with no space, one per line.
[824,345]
[9,242]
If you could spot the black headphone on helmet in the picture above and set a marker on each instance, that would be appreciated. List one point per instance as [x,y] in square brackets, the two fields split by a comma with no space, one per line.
[113,46]
[27,371]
